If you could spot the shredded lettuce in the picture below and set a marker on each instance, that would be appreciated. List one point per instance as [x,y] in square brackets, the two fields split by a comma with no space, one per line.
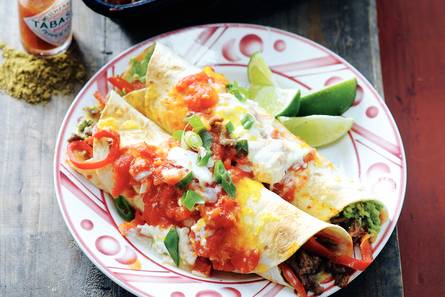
[367,214]
[138,69]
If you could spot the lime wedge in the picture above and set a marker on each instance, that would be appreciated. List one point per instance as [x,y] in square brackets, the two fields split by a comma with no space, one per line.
[258,72]
[318,130]
[332,100]
[276,101]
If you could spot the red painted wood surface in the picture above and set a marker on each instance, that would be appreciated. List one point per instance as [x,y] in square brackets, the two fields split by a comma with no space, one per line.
[412,41]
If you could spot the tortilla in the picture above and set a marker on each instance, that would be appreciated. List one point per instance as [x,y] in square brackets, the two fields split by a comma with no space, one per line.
[265,221]
[323,191]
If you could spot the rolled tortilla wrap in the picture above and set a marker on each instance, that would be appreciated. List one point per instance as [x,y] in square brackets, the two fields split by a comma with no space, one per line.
[320,189]
[265,222]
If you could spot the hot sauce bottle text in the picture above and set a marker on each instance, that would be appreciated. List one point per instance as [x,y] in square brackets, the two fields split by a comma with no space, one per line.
[45,25]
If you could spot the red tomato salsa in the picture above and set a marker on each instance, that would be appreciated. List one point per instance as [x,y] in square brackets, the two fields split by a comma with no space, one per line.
[147,166]
[198,92]
[144,165]
[220,247]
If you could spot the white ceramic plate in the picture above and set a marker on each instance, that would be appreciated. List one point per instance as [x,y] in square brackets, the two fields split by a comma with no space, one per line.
[372,152]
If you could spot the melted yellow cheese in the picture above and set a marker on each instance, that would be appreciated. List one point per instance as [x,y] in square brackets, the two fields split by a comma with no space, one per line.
[110,123]
[251,226]
[114,124]
[130,125]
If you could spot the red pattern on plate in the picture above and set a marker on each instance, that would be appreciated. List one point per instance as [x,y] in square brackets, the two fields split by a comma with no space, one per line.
[307,64]
[107,245]
[129,256]
[87,224]
[372,112]
[376,139]
[203,37]
[279,45]
[250,44]
[208,293]
[229,51]
[233,292]
[377,169]
[358,96]
[333,80]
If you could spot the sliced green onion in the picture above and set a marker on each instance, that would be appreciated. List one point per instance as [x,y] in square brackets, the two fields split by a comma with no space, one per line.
[236,90]
[178,134]
[192,140]
[196,122]
[242,147]
[218,171]
[228,185]
[190,199]
[247,121]
[124,209]
[222,176]
[171,242]
[206,138]
[185,181]
[204,157]
[229,127]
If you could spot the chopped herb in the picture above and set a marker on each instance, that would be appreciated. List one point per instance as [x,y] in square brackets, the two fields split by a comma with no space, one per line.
[193,140]
[242,147]
[84,124]
[222,176]
[247,121]
[237,91]
[178,134]
[206,138]
[124,209]
[190,199]
[171,242]
[204,157]
[183,183]
[229,127]
[196,122]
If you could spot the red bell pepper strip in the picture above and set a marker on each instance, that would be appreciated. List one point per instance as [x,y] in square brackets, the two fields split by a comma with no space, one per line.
[366,249]
[137,85]
[78,146]
[123,85]
[113,151]
[314,246]
[350,262]
[100,98]
[293,280]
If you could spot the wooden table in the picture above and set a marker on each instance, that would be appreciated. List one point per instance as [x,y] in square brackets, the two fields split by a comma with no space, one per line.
[412,35]
[38,256]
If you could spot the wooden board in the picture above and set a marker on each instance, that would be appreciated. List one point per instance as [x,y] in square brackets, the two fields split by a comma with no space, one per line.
[412,35]
[38,256]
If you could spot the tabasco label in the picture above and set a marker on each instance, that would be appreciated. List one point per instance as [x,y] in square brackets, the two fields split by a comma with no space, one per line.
[53,25]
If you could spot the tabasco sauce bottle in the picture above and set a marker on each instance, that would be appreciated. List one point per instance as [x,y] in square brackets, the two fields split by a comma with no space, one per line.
[45,25]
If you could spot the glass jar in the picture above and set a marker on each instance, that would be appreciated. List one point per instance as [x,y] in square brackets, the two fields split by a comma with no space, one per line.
[45,25]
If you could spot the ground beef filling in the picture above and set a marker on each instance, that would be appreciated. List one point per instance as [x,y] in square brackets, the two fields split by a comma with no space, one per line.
[354,228]
[308,268]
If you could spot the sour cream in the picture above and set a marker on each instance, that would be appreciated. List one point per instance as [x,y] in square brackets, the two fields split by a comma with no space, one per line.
[189,160]
[157,235]
[271,158]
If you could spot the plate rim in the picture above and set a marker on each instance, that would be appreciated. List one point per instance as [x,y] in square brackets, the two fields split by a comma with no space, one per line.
[59,145]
